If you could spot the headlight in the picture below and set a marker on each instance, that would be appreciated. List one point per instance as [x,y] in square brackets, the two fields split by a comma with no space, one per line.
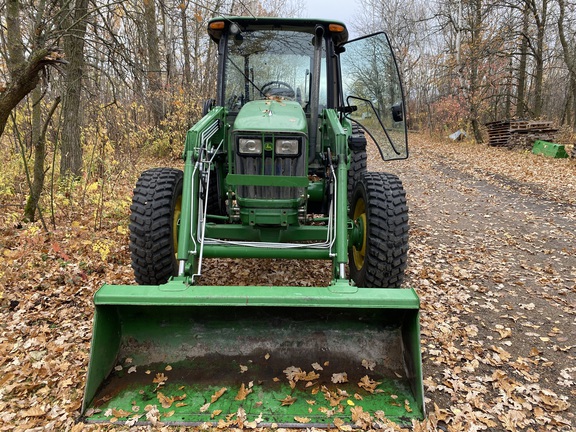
[287,147]
[250,146]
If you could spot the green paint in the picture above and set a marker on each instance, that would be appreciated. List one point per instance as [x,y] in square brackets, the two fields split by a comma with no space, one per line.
[289,234]
[271,116]
[266,180]
[549,149]
[336,135]
[201,338]
[206,333]
[264,402]
[179,293]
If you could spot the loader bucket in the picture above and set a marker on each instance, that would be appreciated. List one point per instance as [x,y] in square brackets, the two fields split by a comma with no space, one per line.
[244,356]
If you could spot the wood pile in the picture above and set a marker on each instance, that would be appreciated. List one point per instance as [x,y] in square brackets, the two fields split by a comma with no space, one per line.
[520,133]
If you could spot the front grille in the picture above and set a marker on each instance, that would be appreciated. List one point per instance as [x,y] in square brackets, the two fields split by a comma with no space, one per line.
[269,164]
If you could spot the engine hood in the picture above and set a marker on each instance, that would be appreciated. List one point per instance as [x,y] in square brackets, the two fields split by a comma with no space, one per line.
[271,115]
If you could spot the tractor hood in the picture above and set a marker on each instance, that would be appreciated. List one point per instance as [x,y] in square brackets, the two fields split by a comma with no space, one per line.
[271,115]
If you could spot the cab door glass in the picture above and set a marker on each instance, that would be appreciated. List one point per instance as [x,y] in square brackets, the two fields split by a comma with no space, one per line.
[371,83]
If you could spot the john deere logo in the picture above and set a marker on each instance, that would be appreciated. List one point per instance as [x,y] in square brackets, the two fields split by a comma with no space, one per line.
[268,146]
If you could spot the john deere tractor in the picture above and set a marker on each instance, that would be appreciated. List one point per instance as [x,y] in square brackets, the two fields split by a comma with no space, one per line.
[276,168]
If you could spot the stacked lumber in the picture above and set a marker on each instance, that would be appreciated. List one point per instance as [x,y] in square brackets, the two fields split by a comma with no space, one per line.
[498,133]
[520,133]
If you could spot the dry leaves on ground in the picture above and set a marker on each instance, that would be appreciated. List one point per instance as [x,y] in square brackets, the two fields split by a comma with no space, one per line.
[492,257]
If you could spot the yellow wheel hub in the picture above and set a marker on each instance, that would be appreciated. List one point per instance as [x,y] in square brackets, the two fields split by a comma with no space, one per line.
[360,213]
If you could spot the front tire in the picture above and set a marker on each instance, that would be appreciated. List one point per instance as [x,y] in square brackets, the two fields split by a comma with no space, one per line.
[155,213]
[379,210]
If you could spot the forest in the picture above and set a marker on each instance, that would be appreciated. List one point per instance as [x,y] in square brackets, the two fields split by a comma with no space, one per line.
[93,93]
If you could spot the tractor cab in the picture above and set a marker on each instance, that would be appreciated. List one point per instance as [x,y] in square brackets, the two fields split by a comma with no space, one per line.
[276,79]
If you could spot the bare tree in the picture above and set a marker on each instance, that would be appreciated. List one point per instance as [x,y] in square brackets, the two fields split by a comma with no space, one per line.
[570,61]
[521,108]
[539,12]
[154,69]
[74,28]
[24,71]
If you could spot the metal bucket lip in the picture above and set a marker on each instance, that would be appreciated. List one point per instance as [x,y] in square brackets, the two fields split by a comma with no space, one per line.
[178,293]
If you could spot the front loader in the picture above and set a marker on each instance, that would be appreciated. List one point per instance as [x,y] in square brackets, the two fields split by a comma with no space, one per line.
[276,168]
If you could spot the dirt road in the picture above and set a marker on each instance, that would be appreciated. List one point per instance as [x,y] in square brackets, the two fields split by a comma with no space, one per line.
[493,257]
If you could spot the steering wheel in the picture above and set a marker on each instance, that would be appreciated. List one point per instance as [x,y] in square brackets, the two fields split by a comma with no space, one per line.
[282,89]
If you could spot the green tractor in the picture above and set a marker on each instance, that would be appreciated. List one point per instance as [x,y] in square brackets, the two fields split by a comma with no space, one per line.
[276,168]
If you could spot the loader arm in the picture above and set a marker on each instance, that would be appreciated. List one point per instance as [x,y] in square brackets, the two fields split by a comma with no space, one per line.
[202,140]
[335,139]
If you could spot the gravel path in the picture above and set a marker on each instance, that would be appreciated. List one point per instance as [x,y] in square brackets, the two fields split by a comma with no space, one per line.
[493,257]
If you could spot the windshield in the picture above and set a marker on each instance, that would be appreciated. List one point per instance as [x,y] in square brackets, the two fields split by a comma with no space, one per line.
[269,64]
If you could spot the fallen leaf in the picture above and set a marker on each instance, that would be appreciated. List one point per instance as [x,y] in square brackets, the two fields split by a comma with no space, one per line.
[369,364]
[338,378]
[218,394]
[242,393]
[368,384]
[35,411]
[288,400]
[160,378]
[165,401]
[120,413]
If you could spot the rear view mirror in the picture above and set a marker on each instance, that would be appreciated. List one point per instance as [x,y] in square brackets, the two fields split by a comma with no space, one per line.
[397,112]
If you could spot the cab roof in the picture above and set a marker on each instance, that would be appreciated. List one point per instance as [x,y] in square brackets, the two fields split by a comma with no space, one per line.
[220,25]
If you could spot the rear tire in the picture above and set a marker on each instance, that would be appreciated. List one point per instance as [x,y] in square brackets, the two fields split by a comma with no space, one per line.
[155,212]
[358,158]
[379,202]
[356,170]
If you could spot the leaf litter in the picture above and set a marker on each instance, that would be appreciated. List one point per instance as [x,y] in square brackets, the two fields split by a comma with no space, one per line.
[492,256]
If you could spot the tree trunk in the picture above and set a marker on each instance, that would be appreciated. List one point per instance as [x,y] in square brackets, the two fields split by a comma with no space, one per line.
[24,73]
[185,45]
[71,160]
[14,37]
[521,98]
[474,84]
[39,140]
[509,84]
[24,80]
[39,156]
[540,18]
[569,59]
[154,72]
